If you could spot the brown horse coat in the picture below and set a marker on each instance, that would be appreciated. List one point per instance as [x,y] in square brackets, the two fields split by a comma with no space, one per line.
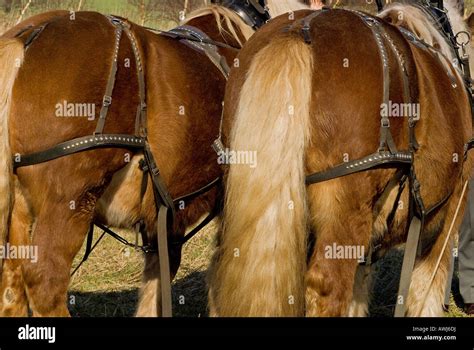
[69,62]
[306,108]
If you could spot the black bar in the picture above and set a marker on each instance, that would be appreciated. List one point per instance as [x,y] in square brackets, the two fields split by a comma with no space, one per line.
[369,332]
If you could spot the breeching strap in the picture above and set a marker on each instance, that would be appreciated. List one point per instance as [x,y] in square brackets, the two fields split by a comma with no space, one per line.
[163,256]
[411,249]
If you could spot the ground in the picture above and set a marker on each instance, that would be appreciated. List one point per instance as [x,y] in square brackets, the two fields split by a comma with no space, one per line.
[107,284]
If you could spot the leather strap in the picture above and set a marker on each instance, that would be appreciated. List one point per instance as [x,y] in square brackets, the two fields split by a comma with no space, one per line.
[141,117]
[425,46]
[34,34]
[77,145]
[144,168]
[413,144]
[107,99]
[306,24]
[189,197]
[202,44]
[89,247]
[165,207]
[379,5]
[90,238]
[212,214]
[161,192]
[186,36]
[373,161]
[386,139]
[163,256]
[411,249]
[468,146]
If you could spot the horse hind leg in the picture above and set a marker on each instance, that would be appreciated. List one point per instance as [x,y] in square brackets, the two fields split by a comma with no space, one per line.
[359,306]
[122,206]
[13,300]
[332,271]
[62,219]
[149,304]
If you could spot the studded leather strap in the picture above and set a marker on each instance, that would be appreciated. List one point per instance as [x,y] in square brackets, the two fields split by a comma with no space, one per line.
[77,145]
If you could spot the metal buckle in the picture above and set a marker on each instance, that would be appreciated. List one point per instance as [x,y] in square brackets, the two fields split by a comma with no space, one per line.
[218,147]
[142,165]
[155,171]
[385,123]
[115,20]
[107,101]
[416,186]
[457,38]
[306,35]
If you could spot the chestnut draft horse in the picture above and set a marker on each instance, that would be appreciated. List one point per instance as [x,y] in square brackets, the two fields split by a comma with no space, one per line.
[67,63]
[307,99]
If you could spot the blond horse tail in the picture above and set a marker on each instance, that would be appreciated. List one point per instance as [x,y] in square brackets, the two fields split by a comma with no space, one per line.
[260,264]
[11,57]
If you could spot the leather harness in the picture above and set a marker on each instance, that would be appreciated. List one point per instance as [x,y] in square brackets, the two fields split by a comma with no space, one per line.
[198,41]
[253,12]
[387,156]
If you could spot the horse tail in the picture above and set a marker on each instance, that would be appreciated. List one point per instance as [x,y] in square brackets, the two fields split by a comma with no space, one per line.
[260,265]
[11,58]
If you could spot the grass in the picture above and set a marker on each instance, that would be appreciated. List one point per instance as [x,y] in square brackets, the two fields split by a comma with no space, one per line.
[386,279]
[107,284]
[125,9]
[116,7]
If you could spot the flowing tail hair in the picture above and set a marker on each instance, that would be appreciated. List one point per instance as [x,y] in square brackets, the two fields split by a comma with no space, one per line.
[11,58]
[259,267]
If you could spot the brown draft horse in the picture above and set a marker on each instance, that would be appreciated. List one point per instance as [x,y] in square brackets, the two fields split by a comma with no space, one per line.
[55,202]
[304,108]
